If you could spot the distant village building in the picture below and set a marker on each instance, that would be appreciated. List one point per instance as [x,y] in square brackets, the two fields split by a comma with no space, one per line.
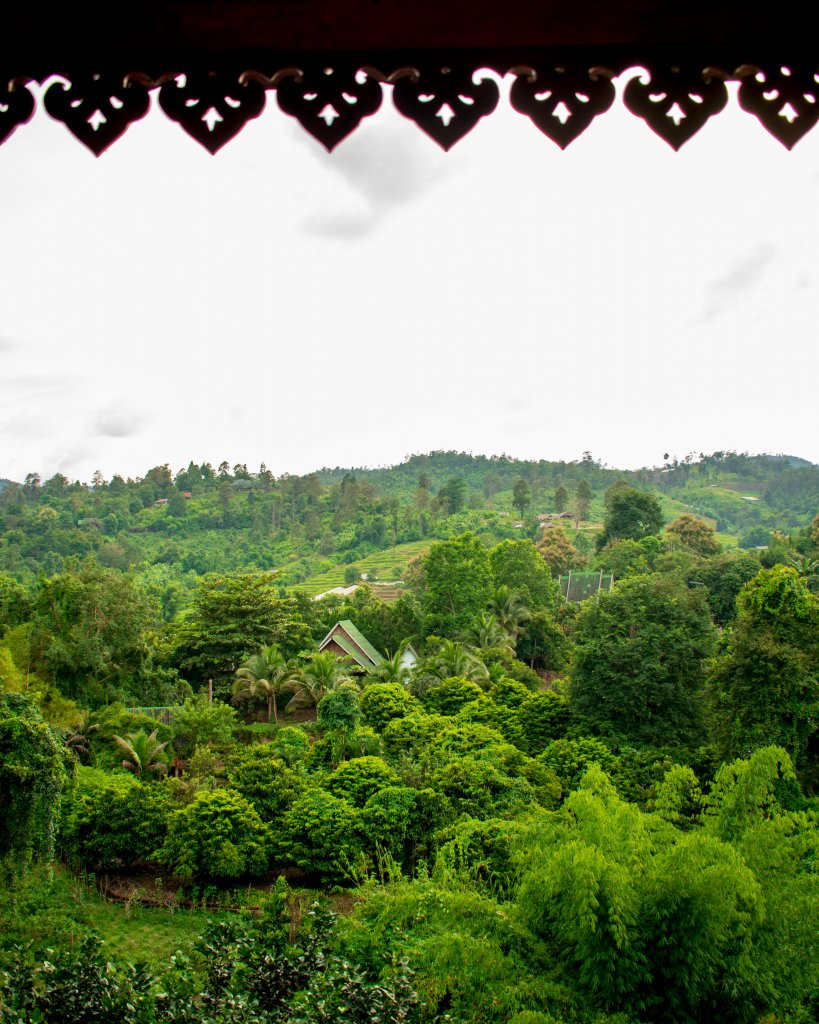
[345,641]
[547,519]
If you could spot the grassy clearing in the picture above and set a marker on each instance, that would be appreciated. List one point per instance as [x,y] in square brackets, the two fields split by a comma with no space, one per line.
[54,910]
[387,565]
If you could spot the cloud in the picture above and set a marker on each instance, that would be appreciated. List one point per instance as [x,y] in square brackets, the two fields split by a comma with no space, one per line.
[381,172]
[7,345]
[117,422]
[741,278]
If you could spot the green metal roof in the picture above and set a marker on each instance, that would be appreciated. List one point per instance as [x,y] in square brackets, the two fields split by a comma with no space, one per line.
[361,641]
[346,644]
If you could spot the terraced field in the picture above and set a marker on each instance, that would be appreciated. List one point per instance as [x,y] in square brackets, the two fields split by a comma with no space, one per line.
[387,565]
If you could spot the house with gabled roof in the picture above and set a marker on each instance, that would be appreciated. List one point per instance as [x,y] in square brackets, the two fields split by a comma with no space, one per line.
[345,641]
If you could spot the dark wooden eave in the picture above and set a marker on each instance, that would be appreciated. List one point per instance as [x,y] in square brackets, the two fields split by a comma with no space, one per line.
[143,47]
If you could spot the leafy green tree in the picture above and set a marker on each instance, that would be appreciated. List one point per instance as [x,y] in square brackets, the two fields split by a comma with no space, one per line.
[723,576]
[409,736]
[265,675]
[630,515]
[570,759]
[765,691]
[517,565]
[338,713]
[200,722]
[693,533]
[627,558]
[582,500]
[639,663]
[90,634]
[452,495]
[543,643]
[481,789]
[521,496]
[457,584]
[561,498]
[230,617]
[543,717]
[218,835]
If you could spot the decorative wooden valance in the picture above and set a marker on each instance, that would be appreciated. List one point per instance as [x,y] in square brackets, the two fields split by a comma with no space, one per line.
[212,67]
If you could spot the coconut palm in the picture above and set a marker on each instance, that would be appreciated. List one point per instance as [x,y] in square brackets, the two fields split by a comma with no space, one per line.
[392,669]
[510,611]
[454,659]
[142,753]
[79,740]
[486,631]
[265,675]
[324,672]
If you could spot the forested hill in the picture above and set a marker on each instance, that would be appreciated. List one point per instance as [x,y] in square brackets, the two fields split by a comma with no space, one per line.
[174,526]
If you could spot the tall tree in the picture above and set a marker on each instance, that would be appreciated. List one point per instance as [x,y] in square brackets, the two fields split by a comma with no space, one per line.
[521,496]
[457,583]
[766,689]
[630,514]
[639,664]
[232,616]
[517,565]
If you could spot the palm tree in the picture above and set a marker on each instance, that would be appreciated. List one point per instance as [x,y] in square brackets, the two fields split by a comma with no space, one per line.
[142,752]
[454,659]
[392,669]
[510,611]
[324,672]
[265,676]
[79,741]
[486,631]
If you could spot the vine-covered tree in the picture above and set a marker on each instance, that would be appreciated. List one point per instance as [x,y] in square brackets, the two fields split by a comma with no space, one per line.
[34,768]
[766,689]
[639,663]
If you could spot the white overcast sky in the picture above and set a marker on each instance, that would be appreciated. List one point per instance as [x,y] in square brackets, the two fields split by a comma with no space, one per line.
[275,303]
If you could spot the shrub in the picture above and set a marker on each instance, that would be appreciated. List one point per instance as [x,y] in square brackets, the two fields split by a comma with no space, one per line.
[543,717]
[291,745]
[383,702]
[448,697]
[112,821]
[483,849]
[357,780]
[265,780]
[480,789]
[218,835]
[410,735]
[319,835]
[570,759]
[198,722]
